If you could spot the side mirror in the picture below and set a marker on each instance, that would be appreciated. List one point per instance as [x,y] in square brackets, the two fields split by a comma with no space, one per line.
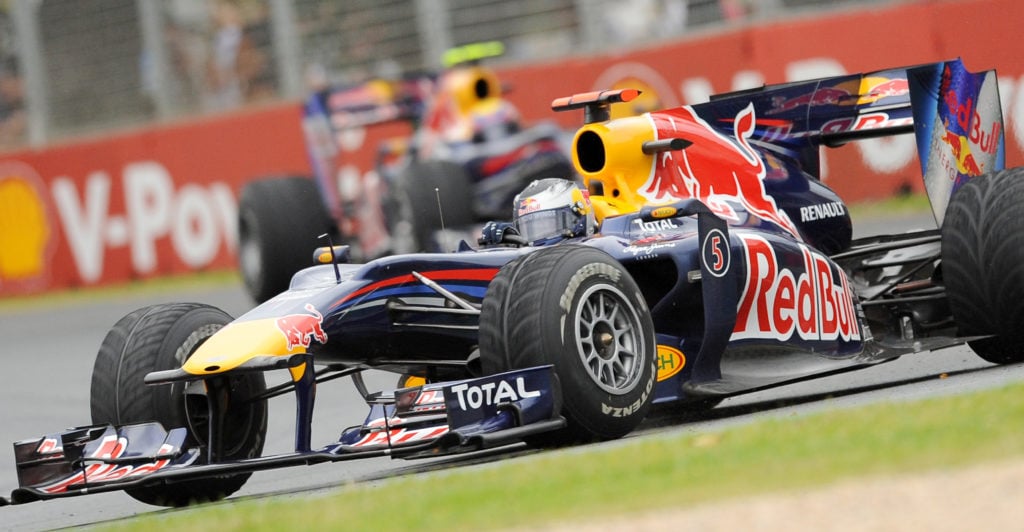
[331,255]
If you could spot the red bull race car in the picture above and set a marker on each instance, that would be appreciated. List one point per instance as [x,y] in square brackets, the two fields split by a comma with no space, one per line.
[468,155]
[702,259]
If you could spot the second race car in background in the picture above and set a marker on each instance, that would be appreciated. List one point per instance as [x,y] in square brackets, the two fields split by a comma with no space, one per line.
[468,156]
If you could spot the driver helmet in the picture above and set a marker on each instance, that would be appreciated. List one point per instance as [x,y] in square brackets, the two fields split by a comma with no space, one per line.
[553,208]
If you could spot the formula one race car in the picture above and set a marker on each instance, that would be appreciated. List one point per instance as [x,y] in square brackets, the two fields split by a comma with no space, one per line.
[719,265]
[468,156]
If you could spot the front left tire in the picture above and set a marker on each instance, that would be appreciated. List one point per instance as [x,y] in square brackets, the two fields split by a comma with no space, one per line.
[162,337]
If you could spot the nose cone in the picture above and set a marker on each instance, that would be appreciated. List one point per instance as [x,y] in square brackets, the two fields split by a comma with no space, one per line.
[239,342]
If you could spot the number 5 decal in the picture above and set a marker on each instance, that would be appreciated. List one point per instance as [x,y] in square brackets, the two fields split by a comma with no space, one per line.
[715,253]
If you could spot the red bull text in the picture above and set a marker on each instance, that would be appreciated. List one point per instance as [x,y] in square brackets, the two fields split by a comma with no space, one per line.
[777,302]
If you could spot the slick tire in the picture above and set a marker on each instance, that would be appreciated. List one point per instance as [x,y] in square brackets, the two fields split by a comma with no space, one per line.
[162,337]
[279,222]
[429,195]
[578,309]
[983,263]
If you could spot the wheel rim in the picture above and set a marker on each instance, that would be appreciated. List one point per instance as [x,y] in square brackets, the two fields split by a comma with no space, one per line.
[609,339]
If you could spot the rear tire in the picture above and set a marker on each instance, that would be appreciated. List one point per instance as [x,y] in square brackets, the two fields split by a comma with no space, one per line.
[162,337]
[577,308]
[279,222]
[415,214]
[983,263]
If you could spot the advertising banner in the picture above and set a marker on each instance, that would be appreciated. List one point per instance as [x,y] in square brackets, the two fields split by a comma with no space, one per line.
[163,200]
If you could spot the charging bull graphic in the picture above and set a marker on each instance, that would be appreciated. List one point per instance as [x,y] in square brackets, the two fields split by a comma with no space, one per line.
[820,96]
[302,329]
[717,173]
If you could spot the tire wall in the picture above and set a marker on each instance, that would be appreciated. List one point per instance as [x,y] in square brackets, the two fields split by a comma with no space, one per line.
[163,200]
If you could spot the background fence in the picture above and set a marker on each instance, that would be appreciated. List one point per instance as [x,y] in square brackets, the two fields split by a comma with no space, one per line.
[69,67]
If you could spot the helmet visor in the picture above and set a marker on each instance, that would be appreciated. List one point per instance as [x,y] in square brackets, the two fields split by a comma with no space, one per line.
[548,223]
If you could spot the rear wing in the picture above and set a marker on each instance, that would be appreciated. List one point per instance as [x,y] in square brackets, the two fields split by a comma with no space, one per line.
[374,102]
[330,114]
[955,115]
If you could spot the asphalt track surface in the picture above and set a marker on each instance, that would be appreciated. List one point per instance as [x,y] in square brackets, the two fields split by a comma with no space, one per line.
[47,352]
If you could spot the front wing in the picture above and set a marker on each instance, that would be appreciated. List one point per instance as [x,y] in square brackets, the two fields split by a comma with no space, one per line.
[425,421]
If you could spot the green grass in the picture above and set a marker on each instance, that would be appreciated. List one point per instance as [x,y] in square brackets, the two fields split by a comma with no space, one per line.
[651,473]
[160,285]
[893,206]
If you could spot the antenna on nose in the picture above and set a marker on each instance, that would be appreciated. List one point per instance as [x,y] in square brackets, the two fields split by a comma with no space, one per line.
[596,104]
[440,214]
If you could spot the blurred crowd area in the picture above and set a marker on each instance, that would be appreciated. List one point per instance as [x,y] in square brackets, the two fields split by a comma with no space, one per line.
[72,67]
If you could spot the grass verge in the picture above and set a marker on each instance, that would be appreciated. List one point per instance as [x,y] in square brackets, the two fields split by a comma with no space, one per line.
[892,206]
[649,474]
[158,285]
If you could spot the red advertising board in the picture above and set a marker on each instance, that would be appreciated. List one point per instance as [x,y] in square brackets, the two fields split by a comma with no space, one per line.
[163,200]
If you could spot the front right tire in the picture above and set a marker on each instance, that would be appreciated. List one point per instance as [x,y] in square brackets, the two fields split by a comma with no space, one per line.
[578,309]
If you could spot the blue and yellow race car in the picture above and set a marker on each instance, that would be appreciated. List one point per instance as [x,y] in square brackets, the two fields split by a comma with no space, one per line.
[701,259]
[467,156]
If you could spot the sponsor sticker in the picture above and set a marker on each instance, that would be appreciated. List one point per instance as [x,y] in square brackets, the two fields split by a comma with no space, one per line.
[670,362]
[302,329]
[470,396]
[656,226]
[25,231]
[811,300]
[715,252]
[663,212]
[831,209]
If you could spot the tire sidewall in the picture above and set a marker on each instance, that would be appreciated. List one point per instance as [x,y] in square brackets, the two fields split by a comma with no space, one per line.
[528,320]
[281,220]
[983,263]
[601,412]
[158,338]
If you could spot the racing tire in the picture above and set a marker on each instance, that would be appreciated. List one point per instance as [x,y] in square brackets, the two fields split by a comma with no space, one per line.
[983,263]
[162,337]
[415,213]
[578,309]
[279,224]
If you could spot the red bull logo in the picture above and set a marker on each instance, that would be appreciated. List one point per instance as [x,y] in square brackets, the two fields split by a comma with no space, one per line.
[302,329]
[821,96]
[528,205]
[965,163]
[716,169]
[982,136]
[884,89]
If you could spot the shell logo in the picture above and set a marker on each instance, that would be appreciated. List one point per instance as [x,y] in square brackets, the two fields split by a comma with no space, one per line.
[655,91]
[25,232]
[670,362]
